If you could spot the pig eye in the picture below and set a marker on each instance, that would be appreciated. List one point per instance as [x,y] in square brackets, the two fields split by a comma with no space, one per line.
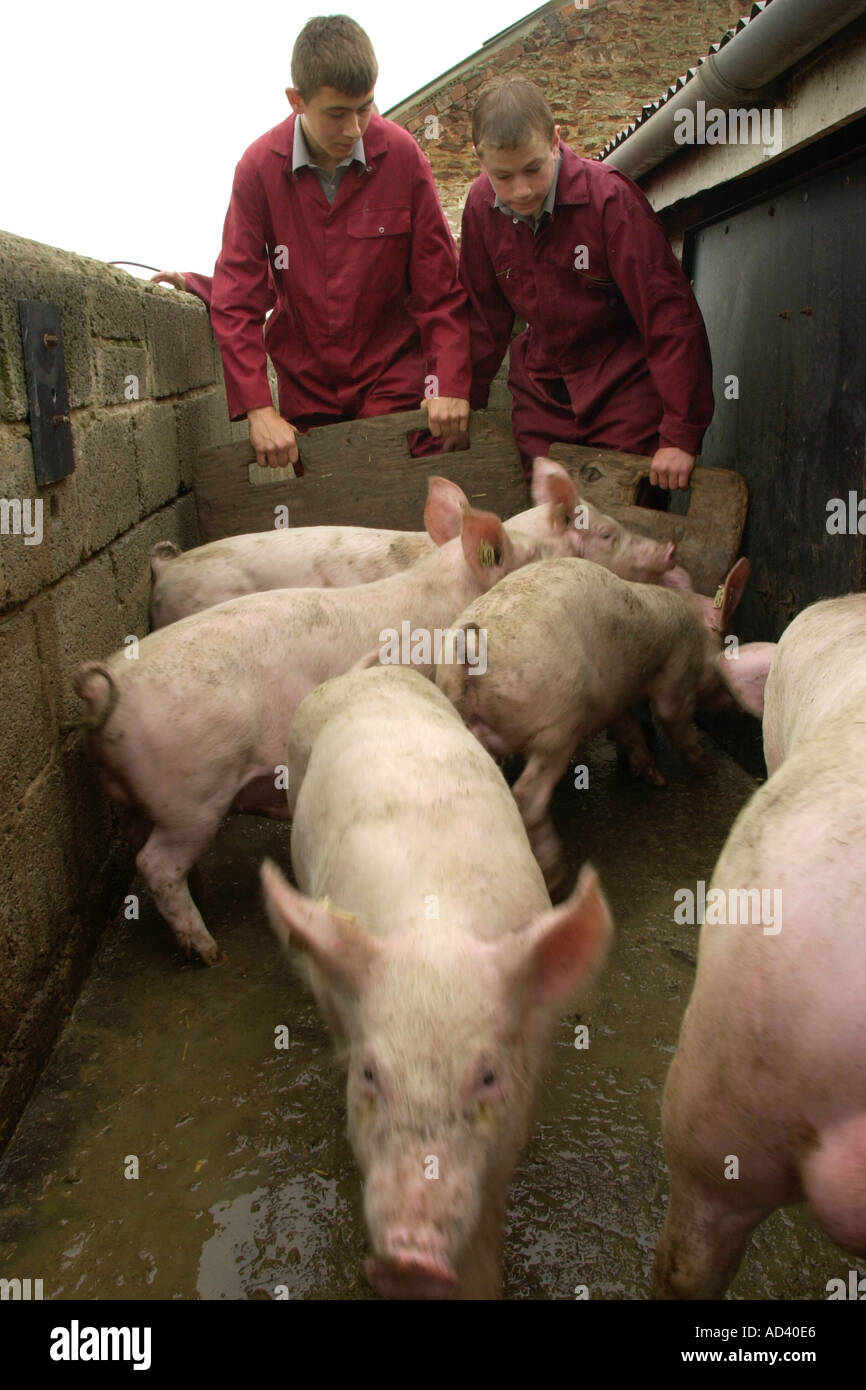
[488,1080]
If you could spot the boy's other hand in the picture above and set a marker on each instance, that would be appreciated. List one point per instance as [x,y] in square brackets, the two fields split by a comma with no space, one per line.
[671,467]
[273,439]
[447,415]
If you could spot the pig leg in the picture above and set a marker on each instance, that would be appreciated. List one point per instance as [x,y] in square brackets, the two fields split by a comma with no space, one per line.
[164,863]
[702,1241]
[532,792]
[676,716]
[631,738]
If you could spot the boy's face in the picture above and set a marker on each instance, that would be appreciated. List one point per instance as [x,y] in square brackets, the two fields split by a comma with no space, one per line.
[333,121]
[522,176]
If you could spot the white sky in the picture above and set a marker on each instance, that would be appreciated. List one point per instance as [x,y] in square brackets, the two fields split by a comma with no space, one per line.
[122,123]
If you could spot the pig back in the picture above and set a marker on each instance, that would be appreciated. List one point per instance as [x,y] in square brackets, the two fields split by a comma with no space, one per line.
[403,814]
[817,681]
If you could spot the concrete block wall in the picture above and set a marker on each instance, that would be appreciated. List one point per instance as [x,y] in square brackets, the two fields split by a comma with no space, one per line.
[64,866]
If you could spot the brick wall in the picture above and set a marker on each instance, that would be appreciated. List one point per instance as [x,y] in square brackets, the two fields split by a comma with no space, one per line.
[596,64]
[63,864]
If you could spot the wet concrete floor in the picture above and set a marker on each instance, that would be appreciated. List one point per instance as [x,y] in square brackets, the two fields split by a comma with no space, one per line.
[245,1178]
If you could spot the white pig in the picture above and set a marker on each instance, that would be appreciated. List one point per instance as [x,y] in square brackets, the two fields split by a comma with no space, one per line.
[569,647]
[437,960]
[336,556]
[770,1070]
[198,723]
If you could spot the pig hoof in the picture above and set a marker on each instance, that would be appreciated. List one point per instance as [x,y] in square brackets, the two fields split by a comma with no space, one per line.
[652,776]
[211,955]
[208,952]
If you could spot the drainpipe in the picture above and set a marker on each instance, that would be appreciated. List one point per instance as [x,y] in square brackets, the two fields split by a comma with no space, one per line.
[771,43]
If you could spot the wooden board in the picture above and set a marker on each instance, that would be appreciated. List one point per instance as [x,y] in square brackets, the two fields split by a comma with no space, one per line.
[358,474]
[708,534]
[361,474]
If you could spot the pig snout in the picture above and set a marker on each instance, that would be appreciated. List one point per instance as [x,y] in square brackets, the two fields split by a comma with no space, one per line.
[649,560]
[420,1226]
[412,1263]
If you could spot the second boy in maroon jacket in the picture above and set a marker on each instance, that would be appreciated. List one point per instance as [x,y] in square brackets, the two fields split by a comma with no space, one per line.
[615,352]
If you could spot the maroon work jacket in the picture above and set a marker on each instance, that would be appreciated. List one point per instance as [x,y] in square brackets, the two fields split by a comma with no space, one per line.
[369,293]
[625,332]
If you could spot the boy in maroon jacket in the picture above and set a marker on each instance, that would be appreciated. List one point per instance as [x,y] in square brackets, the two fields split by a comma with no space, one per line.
[334,221]
[615,352]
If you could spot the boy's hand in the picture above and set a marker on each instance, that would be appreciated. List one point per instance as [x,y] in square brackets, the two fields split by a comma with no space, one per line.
[169,277]
[447,415]
[273,439]
[671,467]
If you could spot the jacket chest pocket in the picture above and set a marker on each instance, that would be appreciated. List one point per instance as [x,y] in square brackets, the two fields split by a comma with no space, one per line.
[597,291]
[379,241]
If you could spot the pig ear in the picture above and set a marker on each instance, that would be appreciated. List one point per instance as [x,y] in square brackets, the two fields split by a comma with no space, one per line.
[341,949]
[486,546]
[551,483]
[444,510]
[745,674]
[562,948]
[733,590]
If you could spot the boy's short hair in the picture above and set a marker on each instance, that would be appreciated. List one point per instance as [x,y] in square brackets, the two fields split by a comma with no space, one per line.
[509,112]
[333,51]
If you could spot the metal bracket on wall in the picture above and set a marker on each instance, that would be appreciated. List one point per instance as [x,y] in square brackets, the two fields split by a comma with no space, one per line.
[47,392]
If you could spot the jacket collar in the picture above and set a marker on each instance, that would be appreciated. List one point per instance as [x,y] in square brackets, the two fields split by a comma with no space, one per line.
[282,138]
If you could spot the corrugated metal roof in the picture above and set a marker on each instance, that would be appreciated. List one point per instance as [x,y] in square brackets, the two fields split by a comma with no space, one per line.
[654,106]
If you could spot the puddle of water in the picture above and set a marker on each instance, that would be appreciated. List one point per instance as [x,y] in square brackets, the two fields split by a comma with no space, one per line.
[245,1181]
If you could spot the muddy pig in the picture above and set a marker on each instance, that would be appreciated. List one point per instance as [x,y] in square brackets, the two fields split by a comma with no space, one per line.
[443,1016]
[771,1064]
[337,556]
[198,723]
[569,647]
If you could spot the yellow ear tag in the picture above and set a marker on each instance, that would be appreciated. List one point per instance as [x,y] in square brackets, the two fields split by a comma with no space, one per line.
[720,596]
[486,555]
[337,911]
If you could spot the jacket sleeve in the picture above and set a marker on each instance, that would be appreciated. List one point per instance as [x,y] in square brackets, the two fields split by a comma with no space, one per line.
[200,285]
[491,317]
[660,300]
[241,297]
[437,302]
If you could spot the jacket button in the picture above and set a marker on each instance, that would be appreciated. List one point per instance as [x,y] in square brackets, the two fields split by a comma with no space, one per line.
[515,220]
[381,229]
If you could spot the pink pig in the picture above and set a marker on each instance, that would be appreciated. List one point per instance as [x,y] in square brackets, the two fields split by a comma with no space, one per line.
[569,647]
[440,965]
[765,1101]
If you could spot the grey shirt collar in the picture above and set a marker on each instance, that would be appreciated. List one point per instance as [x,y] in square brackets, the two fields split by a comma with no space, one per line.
[301,155]
[546,209]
